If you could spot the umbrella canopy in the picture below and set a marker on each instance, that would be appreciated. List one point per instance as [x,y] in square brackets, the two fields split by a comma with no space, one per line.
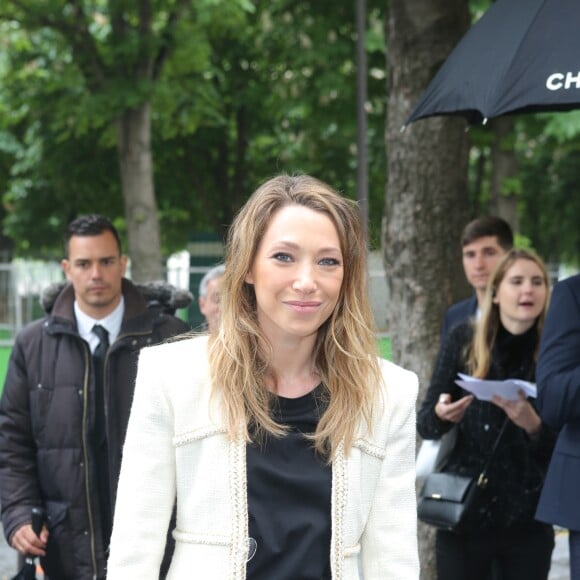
[521,56]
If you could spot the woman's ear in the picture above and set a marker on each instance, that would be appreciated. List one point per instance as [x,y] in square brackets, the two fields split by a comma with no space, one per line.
[494,298]
[249,279]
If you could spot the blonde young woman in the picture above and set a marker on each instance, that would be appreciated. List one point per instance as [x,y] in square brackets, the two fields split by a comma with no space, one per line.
[286,443]
[502,344]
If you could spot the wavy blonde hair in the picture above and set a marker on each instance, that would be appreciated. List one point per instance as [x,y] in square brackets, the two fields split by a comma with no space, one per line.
[481,347]
[345,349]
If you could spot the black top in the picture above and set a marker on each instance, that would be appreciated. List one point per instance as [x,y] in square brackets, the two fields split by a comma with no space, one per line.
[289,497]
[518,469]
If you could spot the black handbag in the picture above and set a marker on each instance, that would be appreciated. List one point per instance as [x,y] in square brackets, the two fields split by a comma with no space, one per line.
[450,501]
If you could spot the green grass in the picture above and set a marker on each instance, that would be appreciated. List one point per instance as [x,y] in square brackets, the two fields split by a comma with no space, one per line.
[385,348]
[4,356]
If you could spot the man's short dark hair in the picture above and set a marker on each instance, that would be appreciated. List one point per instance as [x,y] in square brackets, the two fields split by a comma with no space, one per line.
[91,225]
[488,226]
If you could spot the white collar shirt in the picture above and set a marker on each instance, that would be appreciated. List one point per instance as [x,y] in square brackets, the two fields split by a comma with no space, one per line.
[112,323]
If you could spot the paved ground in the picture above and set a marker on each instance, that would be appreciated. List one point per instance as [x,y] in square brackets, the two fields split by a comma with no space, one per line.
[7,560]
[559,570]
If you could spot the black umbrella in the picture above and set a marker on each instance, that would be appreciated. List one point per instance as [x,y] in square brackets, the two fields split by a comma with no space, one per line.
[28,570]
[521,56]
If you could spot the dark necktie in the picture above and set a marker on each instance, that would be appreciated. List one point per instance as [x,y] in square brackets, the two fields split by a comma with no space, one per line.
[101,448]
[99,364]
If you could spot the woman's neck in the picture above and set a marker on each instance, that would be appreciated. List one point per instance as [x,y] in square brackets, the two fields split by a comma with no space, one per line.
[294,371]
[294,386]
[516,326]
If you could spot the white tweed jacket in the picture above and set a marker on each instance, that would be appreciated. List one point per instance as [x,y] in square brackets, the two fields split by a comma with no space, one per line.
[176,446]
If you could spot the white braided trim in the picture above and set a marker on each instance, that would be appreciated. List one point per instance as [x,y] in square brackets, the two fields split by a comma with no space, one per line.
[197,434]
[205,539]
[339,493]
[239,500]
[370,448]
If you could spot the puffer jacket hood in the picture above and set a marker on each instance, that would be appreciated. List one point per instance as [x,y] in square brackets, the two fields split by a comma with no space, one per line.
[156,293]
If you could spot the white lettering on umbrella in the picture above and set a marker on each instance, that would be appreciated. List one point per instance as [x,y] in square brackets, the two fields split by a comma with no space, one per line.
[571,79]
[554,81]
[558,81]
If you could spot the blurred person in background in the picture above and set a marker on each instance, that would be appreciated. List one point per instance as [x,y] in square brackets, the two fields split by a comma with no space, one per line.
[502,344]
[66,402]
[209,297]
[559,405]
[484,241]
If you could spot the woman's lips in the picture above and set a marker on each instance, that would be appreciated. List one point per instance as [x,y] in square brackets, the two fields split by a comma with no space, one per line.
[303,306]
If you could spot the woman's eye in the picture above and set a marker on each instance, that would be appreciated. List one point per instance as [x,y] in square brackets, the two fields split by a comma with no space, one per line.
[329,262]
[282,257]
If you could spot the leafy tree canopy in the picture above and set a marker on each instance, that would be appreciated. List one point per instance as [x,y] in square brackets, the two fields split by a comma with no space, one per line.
[248,90]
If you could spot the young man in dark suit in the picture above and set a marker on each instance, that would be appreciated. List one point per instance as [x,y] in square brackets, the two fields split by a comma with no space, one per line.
[558,381]
[483,241]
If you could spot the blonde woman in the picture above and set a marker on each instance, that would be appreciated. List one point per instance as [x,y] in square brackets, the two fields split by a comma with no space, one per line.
[502,344]
[286,443]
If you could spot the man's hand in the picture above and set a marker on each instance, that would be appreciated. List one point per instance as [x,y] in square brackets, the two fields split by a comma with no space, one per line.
[27,542]
[452,412]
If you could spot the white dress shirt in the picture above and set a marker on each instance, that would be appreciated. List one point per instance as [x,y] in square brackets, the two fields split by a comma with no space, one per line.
[112,322]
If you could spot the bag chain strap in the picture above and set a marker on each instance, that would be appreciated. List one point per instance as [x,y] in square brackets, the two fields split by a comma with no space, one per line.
[482,479]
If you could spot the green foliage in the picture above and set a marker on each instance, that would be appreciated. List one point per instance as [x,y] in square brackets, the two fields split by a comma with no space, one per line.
[511,186]
[67,71]
[562,127]
[478,8]
[550,177]
[246,90]
[547,148]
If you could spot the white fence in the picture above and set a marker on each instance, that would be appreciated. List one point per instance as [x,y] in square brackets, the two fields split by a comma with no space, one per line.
[22,282]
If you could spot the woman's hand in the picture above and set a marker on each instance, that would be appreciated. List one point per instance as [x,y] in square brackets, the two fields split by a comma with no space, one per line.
[520,412]
[452,412]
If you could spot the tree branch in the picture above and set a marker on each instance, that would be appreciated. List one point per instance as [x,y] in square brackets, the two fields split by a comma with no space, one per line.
[167,36]
[145,33]
[76,33]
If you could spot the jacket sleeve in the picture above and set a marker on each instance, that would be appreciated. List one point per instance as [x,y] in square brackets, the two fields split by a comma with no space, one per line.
[146,490]
[389,542]
[445,325]
[19,489]
[558,372]
[449,363]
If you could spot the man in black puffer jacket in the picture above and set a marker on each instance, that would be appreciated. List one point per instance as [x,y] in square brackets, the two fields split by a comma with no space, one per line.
[61,428]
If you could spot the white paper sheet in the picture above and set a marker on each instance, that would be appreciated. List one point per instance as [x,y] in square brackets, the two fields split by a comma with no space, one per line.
[485,390]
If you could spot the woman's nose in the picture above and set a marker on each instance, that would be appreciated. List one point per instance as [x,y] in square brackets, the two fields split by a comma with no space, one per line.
[527,286]
[305,281]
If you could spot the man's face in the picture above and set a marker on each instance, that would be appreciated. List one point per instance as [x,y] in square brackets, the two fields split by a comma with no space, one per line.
[479,260]
[95,268]
[209,305]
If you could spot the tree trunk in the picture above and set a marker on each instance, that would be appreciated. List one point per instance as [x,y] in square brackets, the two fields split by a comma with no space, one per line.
[426,202]
[134,145]
[504,172]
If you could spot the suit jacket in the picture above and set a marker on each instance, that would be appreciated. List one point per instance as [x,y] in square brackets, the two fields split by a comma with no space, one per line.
[457,314]
[177,445]
[558,378]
